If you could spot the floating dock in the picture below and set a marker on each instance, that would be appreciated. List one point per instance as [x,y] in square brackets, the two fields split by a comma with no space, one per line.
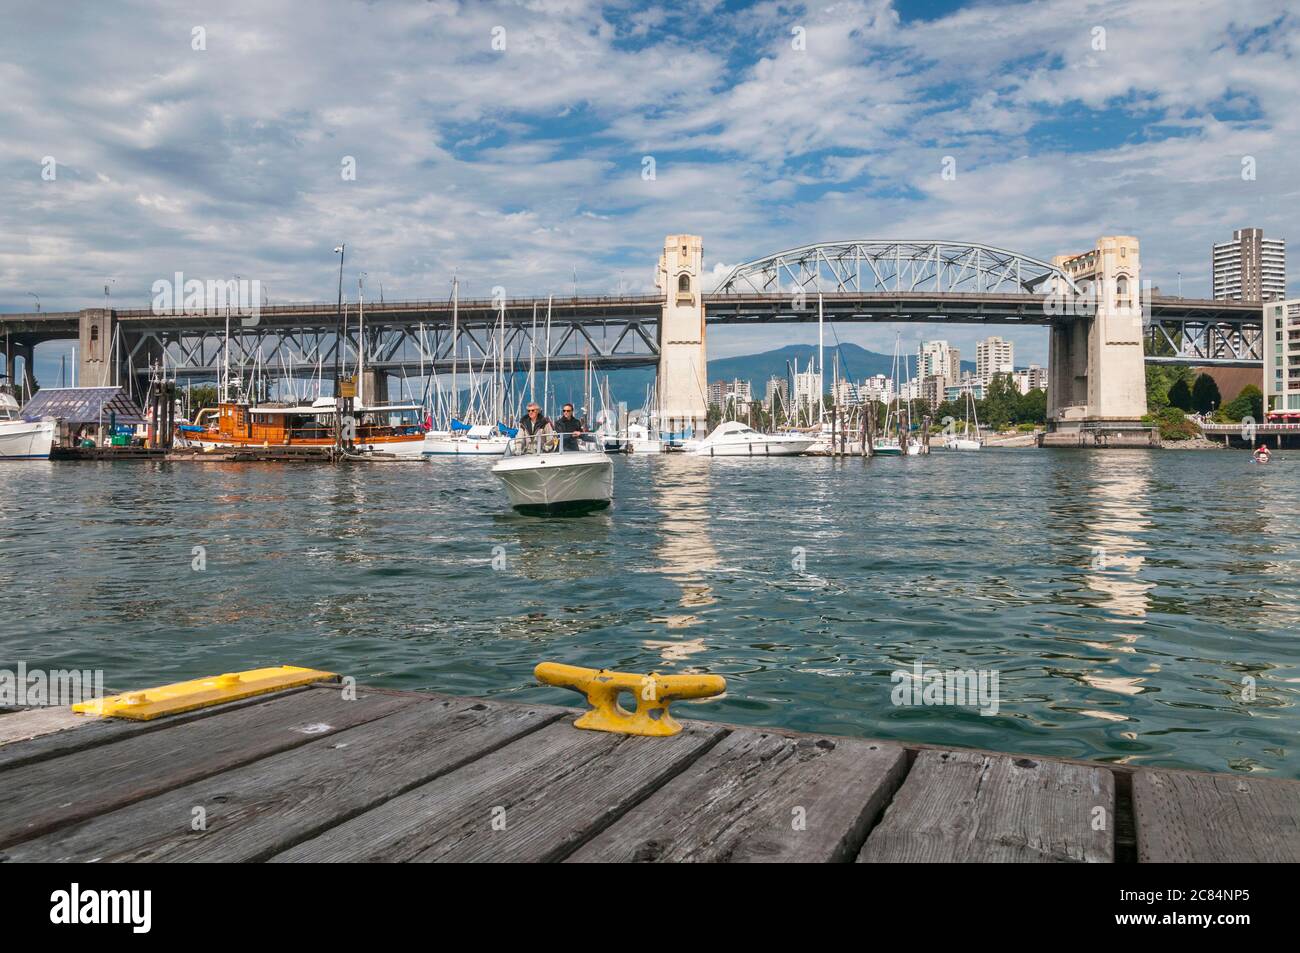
[313,774]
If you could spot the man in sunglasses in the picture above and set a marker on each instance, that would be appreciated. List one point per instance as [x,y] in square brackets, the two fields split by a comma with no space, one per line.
[533,423]
[571,426]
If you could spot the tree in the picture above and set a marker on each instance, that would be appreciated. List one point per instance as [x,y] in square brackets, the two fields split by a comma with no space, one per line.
[1205,394]
[1000,403]
[1033,407]
[1180,395]
[1249,403]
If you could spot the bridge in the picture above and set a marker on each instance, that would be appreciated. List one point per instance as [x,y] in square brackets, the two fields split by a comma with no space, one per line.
[869,280]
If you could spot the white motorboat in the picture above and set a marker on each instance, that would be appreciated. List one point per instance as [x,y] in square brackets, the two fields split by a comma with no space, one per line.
[478,441]
[550,473]
[734,439]
[640,440]
[22,439]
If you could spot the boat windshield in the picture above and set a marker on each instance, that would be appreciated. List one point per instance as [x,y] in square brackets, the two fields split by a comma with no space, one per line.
[541,443]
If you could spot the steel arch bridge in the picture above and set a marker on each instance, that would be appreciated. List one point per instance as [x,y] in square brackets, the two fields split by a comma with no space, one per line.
[909,267]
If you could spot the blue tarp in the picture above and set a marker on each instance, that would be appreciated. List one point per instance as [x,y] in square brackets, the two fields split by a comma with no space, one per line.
[510,432]
[456,425]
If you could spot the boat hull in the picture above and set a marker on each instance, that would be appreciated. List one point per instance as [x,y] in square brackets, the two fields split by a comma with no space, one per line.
[444,445]
[26,440]
[766,448]
[557,483]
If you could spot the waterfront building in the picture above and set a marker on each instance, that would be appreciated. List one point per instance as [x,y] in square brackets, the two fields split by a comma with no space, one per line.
[1282,355]
[878,388]
[933,388]
[845,393]
[778,393]
[938,357]
[722,393]
[808,394]
[966,385]
[994,355]
[1250,267]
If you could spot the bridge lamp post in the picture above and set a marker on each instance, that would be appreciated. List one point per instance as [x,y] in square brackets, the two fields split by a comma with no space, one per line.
[38,300]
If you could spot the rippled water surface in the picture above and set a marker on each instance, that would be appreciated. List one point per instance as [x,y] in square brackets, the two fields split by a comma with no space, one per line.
[1132,603]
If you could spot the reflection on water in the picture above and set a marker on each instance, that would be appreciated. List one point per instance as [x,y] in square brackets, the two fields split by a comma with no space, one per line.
[685,550]
[1120,489]
[1137,607]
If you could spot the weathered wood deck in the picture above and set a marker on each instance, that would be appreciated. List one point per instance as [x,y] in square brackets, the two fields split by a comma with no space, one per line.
[305,775]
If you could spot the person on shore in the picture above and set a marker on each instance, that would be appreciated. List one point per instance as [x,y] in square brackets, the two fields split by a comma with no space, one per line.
[572,427]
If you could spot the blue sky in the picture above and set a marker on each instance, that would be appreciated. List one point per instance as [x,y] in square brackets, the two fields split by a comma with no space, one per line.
[1067,120]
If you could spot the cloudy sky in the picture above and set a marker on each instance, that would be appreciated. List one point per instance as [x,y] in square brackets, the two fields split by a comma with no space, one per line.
[771,125]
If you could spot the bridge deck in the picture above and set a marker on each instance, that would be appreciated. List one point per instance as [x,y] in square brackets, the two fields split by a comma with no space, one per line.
[305,775]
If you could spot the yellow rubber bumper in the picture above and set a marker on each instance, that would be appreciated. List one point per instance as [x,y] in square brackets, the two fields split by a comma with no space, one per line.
[201,692]
[653,693]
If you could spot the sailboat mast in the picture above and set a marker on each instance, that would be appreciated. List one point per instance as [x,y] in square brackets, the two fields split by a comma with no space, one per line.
[455,394]
[821,362]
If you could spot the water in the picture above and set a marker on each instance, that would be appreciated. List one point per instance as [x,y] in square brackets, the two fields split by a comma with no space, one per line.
[1121,596]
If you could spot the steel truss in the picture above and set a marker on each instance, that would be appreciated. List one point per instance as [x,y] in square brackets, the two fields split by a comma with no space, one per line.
[895,266]
[1207,342]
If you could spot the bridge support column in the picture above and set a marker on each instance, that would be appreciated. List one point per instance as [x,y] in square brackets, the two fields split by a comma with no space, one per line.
[1097,373]
[95,350]
[683,362]
[25,383]
[374,387]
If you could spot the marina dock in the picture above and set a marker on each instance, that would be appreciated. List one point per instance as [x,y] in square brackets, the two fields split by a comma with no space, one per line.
[307,774]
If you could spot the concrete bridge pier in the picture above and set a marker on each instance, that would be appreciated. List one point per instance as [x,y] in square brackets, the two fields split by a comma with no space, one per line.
[1096,394]
[95,355]
[24,381]
[683,363]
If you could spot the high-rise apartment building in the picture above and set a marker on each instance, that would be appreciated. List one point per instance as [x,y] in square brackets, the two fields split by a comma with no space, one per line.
[1282,355]
[1250,267]
[993,355]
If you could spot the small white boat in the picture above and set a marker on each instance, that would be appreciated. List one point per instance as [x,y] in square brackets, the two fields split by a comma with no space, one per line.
[734,439]
[23,439]
[479,440]
[551,474]
[889,447]
[640,440]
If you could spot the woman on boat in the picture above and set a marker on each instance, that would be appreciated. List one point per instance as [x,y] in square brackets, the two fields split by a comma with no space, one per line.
[1262,453]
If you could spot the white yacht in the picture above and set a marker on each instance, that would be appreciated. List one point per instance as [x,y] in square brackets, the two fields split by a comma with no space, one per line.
[478,440]
[734,439]
[22,439]
[551,473]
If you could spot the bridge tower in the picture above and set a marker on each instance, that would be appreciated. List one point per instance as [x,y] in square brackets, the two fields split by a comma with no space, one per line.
[1096,390]
[683,364]
[95,349]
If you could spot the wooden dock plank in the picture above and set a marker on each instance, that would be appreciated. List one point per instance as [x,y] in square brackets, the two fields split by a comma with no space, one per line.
[272,804]
[1186,817]
[958,806]
[99,731]
[758,796]
[42,796]
[534,800]
[34,722]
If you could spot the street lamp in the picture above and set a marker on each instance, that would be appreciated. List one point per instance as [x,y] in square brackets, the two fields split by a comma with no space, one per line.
[38,300]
